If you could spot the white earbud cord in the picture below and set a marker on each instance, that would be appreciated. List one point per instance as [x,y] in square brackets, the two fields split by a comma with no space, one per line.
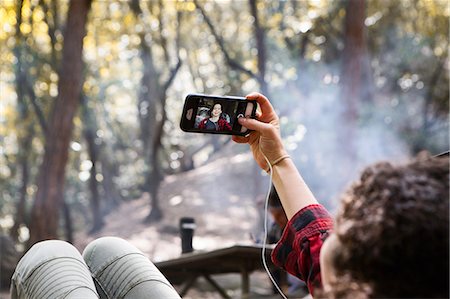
[263,253]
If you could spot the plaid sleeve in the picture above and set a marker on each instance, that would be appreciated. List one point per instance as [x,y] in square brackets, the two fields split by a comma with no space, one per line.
[298,250]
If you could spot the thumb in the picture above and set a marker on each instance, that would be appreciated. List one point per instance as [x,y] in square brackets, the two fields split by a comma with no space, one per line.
[254,124]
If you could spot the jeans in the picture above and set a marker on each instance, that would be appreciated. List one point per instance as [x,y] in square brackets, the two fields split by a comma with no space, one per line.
[109,268]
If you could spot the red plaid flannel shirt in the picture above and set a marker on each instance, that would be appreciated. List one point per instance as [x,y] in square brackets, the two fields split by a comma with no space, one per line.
[222,125]
[298,250]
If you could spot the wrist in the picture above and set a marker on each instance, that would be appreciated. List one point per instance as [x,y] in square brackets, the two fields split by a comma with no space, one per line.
[277,161]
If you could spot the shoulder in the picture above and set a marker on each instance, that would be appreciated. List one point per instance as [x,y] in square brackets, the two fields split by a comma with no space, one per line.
[223,122]
[202,123]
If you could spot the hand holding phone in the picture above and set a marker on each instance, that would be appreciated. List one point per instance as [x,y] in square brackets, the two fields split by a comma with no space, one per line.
[265,139]
[216,114]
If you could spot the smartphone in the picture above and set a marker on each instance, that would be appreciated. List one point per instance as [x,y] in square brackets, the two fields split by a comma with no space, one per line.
[216,114]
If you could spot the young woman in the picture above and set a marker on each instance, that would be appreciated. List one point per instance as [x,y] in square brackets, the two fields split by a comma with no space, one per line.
[215,121]
[391,238]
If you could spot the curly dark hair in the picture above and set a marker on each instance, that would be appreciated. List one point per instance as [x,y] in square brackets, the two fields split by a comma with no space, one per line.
[393,227]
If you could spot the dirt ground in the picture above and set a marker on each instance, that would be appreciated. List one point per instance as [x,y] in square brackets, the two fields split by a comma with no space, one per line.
[217,195]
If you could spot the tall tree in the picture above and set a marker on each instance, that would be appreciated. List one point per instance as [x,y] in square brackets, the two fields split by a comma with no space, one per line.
[89,133]
[23,112]
[352,69]
[49,197]
[26,124]
[260,36]
[152,104]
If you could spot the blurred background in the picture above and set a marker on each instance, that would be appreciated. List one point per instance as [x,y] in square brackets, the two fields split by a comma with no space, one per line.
[92,93]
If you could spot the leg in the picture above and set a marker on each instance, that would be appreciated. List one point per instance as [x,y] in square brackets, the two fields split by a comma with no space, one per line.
[120,270]
[52,269]
[245,282]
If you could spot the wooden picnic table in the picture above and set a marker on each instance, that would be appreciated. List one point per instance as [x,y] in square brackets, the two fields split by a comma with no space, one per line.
[243,259]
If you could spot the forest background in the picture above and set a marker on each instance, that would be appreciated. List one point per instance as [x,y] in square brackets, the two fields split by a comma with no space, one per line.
[92,92]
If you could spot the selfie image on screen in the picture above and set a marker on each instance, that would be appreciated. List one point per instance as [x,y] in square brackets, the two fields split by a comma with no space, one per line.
[215,115]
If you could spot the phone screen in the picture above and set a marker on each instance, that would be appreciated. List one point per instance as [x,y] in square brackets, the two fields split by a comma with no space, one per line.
[216,114]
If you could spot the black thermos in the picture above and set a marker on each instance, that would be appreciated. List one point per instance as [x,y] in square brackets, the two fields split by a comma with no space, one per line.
[187,227]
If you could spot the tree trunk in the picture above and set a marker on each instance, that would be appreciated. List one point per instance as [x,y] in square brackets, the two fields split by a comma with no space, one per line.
[97,217]
[90,127]
[152,113]
[259,35]
[24,142]
[19,217]
[49,197]
[352,71]
[153,183]
[9,256]
[150,128]
[112,196]
[68,223]
[147,119]
[157,174]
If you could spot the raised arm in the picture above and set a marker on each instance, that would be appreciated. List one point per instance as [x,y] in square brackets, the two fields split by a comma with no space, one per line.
[265,140]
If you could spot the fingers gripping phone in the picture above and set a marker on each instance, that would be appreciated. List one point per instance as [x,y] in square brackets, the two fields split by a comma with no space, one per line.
[216,114]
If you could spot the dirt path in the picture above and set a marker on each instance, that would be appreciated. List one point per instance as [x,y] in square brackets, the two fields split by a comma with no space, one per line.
[217,195]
